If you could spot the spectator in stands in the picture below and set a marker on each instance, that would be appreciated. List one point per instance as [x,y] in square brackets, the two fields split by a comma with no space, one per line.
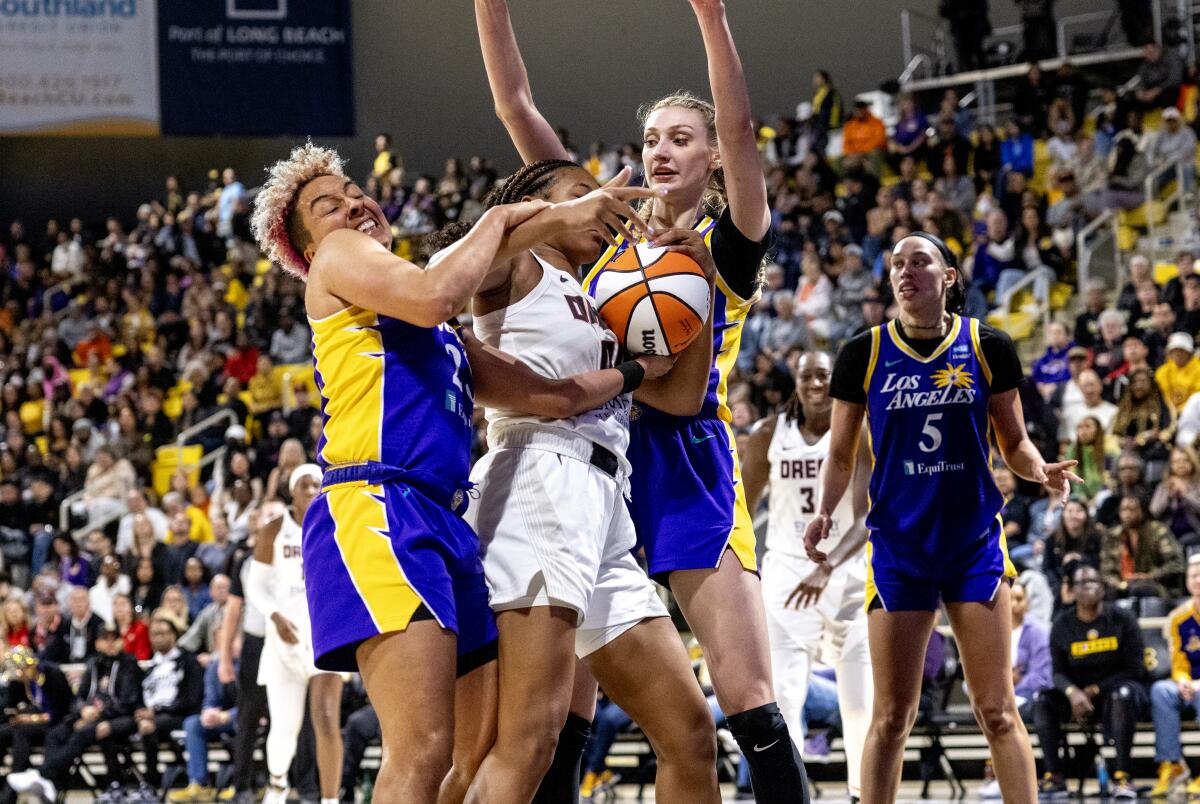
[995,256]
[986,159]
[1175,142]
[1109,352]
[807,311]
[1087,323]
[969,26]
[1076,539]
[135,636]
[73,570]
[1136,355]
[948,142]
[827,109]
[291,342]
[1140,272]
[1143,421]
[1089,449]
[864,137]
[37,696]
[230,202]
[854,279]
[1015,513]
[909,137]
[1096,655]
[1179,375]
[1016,152]
[1032,672]
[1171,697]
[109,481]
[1159,78]
[215,555]
[137,504]
[110,690]
[955,187]
[1031,103]
[1051,369]
[1139,557]
[14,624]
[1176,501]
[361,729]
[110,583]
[292,455]
[48,637]
[217,717]
[1125,185]
[201,636]
[195,587]
[266,394]
[1173,291]
[1091,403]
[82,626]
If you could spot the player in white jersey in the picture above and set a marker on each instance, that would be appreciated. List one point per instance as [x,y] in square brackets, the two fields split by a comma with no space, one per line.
[556,537]
[814,611]
[275,587]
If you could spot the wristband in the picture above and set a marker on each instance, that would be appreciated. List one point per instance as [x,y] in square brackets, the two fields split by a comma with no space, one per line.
[633,372]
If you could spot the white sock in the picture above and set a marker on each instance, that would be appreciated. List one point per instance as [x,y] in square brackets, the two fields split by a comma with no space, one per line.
[329,801]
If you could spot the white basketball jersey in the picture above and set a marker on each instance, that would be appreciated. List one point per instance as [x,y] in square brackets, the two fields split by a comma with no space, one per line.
[556,331]
[796,490]
[287,574]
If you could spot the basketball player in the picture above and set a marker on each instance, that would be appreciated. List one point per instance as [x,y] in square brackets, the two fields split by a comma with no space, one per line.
[933,386]
[687,500]
[275,587]
[813,609]
[555,534]
[394,582]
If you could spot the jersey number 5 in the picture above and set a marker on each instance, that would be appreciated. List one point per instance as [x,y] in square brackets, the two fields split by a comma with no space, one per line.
[934,434]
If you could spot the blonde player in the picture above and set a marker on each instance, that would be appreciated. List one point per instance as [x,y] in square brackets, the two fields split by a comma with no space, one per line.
[276,588]
[813,610]
[687,499]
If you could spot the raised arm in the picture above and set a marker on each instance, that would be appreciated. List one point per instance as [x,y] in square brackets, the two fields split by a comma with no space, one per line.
[505,383]
[357,269]
[736,138]
[534,137]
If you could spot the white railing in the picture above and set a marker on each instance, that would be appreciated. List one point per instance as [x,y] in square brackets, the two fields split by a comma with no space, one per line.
[1176,197]
[64,509]
[1098,239]
[1041,300]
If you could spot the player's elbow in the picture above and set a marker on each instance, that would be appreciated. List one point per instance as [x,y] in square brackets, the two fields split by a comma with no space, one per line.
[432,311]
[515,109]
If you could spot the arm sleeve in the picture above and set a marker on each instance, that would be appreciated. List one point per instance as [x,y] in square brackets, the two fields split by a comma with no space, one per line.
[258,589]
[1001,354]
[850,370]
[738,258]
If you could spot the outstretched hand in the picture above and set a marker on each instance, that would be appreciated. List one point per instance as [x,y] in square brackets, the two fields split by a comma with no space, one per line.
[818,529]
[1057,478]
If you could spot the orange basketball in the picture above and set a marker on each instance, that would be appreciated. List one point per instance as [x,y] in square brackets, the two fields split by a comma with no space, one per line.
[655,300]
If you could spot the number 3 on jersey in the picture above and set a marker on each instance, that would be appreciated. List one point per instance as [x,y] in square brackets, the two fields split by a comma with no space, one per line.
[931,432]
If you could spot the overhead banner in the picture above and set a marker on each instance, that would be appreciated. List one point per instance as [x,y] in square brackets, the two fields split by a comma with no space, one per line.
[255,67]
[78,67]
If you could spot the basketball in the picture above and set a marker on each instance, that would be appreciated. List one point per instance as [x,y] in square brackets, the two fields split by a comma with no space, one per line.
[654,299]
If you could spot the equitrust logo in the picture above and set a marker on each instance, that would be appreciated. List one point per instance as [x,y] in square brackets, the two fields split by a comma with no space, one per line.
[58,9]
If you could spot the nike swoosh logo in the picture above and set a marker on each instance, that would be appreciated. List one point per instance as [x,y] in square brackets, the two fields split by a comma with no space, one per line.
[891,363]
[701,440]
[761,748]
[405,491]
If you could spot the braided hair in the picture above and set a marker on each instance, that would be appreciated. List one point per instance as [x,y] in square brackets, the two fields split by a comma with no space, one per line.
[530,180]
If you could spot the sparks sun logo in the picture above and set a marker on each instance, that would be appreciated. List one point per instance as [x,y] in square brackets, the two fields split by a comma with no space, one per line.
[952,375]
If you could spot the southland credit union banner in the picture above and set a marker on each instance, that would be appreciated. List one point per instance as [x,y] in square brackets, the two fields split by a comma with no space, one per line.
[175,67]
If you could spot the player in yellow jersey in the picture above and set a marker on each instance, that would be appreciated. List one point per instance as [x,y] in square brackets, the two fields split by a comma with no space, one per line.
[688,504]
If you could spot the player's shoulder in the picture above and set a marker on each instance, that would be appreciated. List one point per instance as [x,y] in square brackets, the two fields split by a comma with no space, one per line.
[1181,613]
[860,344]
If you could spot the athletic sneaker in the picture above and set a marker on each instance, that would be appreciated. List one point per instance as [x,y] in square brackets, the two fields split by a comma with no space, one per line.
[115,794]
[1123,786]
[228,794]
[1053,787]
[193,792]
[588,785]
[276,795]
[1193,788]
[1170,776]
[990,790]
[816,745]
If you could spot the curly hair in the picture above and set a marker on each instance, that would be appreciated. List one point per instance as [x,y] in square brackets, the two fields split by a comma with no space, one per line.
[271,223]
